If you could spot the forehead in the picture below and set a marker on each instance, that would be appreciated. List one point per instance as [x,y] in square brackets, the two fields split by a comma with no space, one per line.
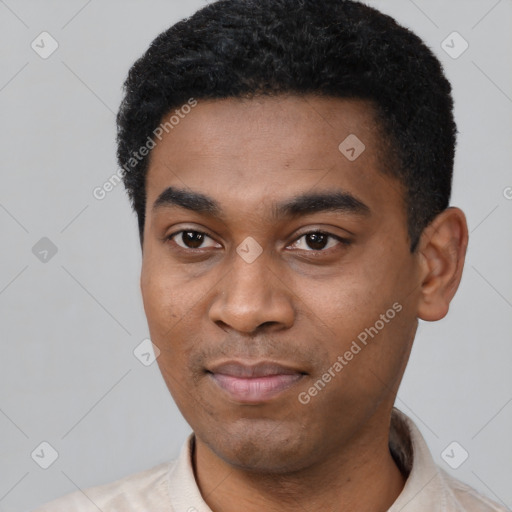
[250,152]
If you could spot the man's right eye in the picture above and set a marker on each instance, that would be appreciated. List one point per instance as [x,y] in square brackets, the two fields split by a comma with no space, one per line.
[189,239]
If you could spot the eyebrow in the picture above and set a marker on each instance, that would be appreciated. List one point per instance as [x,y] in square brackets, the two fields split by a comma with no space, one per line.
[304,204]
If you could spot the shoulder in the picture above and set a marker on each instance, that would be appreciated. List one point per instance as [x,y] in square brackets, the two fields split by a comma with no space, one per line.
[468,499]
[147,488]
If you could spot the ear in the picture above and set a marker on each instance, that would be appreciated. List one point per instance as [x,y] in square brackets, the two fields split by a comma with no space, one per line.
[441,250]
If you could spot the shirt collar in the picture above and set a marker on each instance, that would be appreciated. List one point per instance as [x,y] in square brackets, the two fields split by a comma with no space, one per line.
[425,488]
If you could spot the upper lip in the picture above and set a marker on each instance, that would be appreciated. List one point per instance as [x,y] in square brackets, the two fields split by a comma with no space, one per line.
[247,370]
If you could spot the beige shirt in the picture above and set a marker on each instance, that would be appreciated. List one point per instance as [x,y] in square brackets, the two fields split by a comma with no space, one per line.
[171,487]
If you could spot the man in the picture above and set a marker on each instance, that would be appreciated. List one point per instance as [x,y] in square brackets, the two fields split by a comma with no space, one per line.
[290,164]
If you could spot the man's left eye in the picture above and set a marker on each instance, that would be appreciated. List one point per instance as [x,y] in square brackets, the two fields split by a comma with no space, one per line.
[318,241]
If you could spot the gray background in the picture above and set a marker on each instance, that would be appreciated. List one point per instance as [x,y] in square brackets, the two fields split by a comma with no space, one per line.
[69,325]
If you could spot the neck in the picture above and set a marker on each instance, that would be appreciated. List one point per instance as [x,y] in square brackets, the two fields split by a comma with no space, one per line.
[361,476]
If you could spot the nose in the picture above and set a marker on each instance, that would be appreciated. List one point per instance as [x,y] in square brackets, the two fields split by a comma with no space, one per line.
[251,297]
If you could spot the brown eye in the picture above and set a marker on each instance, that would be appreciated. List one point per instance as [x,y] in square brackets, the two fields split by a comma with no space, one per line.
[318,241]
[190,239]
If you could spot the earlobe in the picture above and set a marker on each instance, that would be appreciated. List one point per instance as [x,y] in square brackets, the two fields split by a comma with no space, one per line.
[442,252]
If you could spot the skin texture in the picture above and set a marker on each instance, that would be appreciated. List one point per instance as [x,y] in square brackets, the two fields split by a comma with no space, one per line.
[293,305]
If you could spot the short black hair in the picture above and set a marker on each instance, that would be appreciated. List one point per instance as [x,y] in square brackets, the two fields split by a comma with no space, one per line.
[333,48]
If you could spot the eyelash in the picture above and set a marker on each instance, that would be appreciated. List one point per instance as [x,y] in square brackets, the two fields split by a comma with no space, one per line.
[343,241]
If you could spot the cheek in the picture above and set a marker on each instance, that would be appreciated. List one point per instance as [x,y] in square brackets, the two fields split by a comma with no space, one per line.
[345,304]
[163,312]
[165,298]
[171,308]
[363,316]
[158,302]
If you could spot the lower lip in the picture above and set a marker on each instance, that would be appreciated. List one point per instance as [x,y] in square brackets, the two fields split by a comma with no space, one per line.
[255,389]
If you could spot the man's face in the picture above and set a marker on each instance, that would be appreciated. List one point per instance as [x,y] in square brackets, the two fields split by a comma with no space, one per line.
[250,316]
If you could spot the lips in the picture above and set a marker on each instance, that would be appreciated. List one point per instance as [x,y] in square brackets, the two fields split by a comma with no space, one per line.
[254,383]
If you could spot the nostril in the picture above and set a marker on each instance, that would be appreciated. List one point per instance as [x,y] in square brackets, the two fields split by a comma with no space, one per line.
[222,325]
[268,324]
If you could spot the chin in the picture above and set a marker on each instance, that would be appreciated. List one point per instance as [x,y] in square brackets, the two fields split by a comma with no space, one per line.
[261,446]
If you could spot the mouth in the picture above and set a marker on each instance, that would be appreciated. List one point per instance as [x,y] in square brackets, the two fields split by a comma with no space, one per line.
[254,383]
